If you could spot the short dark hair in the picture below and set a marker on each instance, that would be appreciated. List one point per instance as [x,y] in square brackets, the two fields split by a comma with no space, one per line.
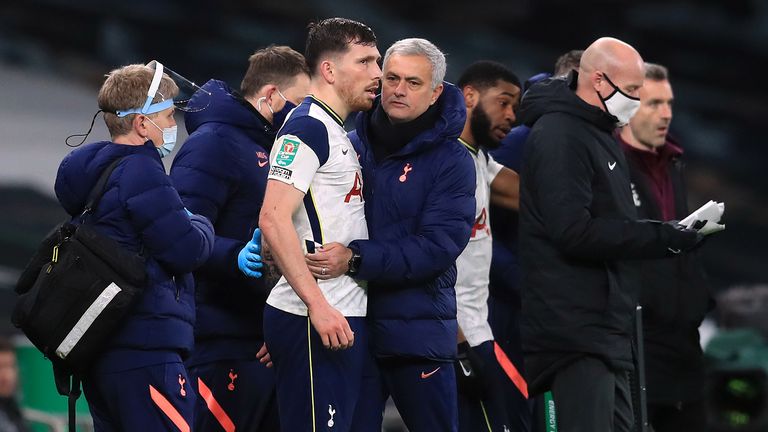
[568,62]
[334,35]
[656,72]
[485,74]
[278,65]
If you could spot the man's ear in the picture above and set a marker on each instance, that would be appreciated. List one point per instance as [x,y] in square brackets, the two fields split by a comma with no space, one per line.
[470,96]
[139,124]
[436,93]
[267,90]
[271,92]
[327,68]
[597,78]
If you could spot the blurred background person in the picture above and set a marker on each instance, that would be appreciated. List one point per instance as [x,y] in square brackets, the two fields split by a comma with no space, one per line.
[11,419]
[674,292]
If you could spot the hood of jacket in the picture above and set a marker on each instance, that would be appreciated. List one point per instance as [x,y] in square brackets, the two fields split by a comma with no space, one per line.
[449,125]
[558,95]
[225,106]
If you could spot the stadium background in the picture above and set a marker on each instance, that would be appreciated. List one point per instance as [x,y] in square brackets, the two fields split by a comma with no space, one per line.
[54,53]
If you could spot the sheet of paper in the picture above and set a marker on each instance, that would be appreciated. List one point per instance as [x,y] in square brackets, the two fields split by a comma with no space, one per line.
[711,212]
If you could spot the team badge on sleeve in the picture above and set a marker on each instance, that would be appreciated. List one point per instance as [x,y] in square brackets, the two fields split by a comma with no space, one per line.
[287,152]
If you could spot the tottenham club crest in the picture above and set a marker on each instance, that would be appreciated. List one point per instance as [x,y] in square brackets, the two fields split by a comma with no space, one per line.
[331,413]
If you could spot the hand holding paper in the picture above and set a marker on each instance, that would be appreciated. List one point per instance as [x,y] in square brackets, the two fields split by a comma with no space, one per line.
[709,215]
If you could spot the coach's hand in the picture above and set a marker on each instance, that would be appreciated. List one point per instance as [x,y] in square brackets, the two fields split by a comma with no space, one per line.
[330,261]
[331,325]
[263,356]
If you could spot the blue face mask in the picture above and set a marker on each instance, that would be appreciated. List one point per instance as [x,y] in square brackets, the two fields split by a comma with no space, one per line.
[169,139]
[278,117]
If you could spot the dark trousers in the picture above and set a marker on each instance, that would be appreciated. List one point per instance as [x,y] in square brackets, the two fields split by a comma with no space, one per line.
[424,392]
[235,394]
[317,388]
[685,416]
[590,397]
[150,398]
[504,318]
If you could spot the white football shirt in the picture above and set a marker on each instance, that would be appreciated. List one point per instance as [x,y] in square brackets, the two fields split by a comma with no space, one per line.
[312,153]
[474,264]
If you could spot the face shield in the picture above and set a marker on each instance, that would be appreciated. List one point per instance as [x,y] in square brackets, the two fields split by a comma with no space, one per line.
[190,98]
[183,101]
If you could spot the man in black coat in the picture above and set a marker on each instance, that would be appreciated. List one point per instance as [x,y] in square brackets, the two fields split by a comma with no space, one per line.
[674,294]
[578,236]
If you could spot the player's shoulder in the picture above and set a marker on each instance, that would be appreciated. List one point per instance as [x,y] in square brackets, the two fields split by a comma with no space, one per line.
[305,127]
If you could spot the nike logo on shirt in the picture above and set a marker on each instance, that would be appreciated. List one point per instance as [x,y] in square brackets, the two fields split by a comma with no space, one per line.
[611,166]
[344,150]
[262,164]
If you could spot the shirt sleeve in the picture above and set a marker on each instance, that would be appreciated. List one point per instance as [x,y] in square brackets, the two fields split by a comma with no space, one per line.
[297,154]
[493,168]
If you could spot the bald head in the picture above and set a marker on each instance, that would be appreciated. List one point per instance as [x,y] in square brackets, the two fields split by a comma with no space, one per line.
[610,56]
[609,60]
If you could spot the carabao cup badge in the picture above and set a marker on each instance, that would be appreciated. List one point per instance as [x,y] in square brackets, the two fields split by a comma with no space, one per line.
[287,152]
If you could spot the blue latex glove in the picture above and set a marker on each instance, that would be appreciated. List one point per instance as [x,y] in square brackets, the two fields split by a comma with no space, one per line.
[249,260]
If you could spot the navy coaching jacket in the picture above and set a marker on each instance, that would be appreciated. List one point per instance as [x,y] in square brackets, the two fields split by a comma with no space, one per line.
[140,208]
[221,173]
[420,207]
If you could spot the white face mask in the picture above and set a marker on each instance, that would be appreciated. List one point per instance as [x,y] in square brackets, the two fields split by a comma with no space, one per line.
[277,117]
[619,104]
[169,139]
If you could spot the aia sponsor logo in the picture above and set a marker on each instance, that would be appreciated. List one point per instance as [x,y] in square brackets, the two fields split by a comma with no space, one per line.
[481,224]
[357,189]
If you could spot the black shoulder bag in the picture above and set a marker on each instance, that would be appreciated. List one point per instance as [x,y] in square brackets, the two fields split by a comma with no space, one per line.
[74,292]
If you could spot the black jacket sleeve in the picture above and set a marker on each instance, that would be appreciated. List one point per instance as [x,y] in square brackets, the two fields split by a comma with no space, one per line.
[561,176]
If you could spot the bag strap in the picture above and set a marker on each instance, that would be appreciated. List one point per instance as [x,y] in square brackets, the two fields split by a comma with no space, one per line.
[98,189]
[74,393]
[68,384]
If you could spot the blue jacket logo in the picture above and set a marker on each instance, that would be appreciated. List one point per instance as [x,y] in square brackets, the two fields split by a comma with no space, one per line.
[406,169]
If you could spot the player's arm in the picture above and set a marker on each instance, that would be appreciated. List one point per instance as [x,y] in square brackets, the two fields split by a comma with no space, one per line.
[560,165]
[280,201]
[443,232]
[271,271]
[505,189]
